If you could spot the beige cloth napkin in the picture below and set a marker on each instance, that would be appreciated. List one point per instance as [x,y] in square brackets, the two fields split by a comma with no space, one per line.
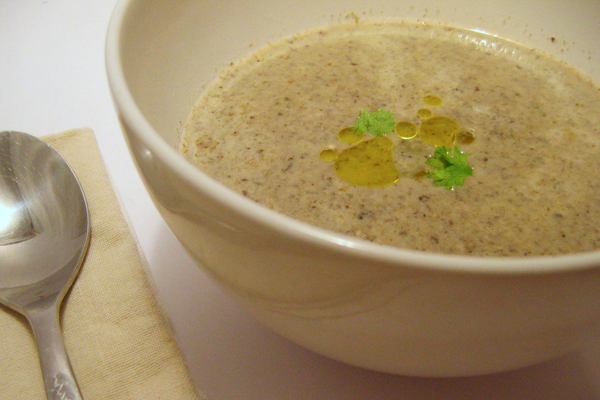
[119,341]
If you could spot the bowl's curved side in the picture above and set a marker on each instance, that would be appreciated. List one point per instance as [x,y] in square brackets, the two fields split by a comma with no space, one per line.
[447,326]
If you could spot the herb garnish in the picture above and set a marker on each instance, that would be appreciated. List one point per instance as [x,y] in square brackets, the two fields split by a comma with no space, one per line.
[450,167]
[377,123]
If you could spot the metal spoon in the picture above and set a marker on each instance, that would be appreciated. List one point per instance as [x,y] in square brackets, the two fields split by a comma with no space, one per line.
[44,234]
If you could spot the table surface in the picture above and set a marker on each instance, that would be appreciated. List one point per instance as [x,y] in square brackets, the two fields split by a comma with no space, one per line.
[52,78]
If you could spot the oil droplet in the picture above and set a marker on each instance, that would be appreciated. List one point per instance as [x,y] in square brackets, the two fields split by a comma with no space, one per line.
[465,137]
[424,113]
[350,136]
[406,130]
[439,131]
[369,163]
[328,155]
[432,100]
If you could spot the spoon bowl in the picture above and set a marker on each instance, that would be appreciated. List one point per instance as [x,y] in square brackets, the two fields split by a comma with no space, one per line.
[44,235]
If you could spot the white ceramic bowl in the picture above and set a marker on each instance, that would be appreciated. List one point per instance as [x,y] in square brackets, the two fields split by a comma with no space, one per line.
[377,307]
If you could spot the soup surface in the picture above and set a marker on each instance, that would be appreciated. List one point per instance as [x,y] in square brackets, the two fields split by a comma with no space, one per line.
[529,124]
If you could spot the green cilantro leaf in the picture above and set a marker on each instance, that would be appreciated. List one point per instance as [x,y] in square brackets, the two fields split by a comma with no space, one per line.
[377,123]
[450,168]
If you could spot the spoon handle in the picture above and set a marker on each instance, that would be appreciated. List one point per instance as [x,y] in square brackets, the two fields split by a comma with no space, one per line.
[59,378]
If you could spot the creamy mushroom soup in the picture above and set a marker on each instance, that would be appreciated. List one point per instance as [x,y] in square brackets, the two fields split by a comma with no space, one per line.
[421,137]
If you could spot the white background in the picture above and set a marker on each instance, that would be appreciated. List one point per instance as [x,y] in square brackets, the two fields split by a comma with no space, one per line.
[52,78]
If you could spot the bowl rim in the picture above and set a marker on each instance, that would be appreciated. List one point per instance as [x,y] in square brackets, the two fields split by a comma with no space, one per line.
[132,116]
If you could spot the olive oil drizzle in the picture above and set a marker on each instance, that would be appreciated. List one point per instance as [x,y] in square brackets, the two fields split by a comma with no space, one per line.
[370,163]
